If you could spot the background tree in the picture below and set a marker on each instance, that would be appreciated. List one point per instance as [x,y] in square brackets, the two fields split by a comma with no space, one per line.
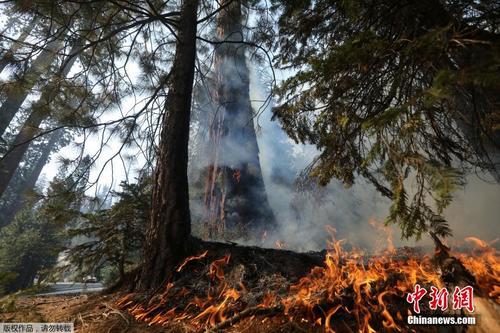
[8,55]
[114,237]
[30,245]
[40,111]
[35,62]
[23,184]
[43,66]
[234,186]
[394,91]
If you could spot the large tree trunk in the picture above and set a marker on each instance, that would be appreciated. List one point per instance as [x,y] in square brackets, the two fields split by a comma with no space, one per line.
[8,56]
[235,195]
[169,229]
[15,96]
[31,127]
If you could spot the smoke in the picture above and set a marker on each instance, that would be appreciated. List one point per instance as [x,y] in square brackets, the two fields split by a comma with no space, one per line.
[475,211]
[303,215]
[302,218]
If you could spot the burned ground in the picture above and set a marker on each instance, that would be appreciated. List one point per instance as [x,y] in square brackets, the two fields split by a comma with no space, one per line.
[231,288]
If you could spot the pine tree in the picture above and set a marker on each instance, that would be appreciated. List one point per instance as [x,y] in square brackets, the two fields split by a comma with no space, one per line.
[40,111]
[394,91]
[23,184]
[16,92]
[114,237]
[8,56]
[168,233]
[31,244]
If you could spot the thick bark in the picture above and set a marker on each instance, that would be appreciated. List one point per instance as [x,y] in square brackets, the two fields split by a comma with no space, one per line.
[16,96]
[169,229]
[31,127]
[235,195]
[7,57]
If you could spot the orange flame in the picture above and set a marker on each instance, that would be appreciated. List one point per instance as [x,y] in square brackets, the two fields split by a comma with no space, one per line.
[216,268]
[348,284]
[484,264]
[280,244]
[189,259]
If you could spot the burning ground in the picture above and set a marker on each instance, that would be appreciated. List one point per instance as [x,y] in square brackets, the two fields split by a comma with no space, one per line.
[226,287]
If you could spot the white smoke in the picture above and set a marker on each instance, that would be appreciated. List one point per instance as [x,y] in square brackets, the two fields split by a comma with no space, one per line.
[475,211]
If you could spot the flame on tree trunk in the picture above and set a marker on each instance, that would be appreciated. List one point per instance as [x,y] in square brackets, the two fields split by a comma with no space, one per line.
[235,195]
[169,229]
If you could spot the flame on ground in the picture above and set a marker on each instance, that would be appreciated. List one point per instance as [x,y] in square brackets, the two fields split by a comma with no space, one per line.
[369,291]
[189,259]
[484,264]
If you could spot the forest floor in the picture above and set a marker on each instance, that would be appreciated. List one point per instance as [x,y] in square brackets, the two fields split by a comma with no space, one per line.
[98,313]
[229,288]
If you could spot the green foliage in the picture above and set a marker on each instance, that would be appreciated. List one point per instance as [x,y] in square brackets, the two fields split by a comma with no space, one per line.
[398,92]
[112,239]
[28,246]
[31,243]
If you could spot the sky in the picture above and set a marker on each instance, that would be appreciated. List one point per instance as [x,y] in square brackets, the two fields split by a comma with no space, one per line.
[474,212]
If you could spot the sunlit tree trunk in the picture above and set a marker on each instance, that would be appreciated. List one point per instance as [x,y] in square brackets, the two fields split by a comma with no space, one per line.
[29,181]
[17,93]
[31,127]
[235,195]
[7,57]
[169,229]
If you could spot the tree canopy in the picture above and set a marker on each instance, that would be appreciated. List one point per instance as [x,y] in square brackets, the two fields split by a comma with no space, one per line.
[402,93]
[395,91]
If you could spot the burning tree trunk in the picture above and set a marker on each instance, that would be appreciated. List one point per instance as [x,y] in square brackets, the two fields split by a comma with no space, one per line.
[170,226]
[234,193]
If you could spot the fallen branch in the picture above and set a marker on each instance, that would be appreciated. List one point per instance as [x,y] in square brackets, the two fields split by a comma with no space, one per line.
[256,310]
[118,312]
[35,303]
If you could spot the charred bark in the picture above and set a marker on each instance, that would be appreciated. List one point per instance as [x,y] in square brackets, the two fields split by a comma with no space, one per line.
[169,230]
[234,192]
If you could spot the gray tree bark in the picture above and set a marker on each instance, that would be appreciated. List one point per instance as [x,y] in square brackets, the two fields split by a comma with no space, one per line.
[29,181]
